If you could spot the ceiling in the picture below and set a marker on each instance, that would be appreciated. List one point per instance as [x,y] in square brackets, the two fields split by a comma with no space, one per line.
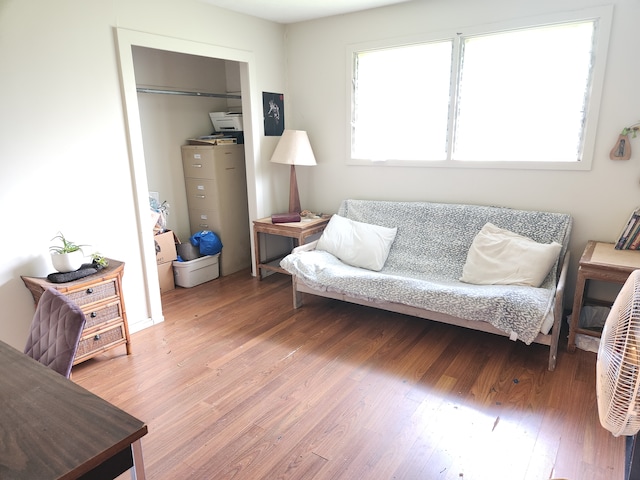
[291,11]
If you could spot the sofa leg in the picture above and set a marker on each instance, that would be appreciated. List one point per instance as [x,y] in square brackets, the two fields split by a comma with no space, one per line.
[297,296]
[552,361]
[555,337]
[558,314]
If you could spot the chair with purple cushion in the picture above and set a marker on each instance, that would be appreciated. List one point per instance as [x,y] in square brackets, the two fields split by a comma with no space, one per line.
[55,332]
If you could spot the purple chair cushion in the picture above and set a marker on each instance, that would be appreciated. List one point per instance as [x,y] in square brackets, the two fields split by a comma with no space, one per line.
[55,331]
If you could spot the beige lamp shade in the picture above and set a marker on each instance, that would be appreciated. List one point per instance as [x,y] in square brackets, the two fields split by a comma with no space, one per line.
[294,149]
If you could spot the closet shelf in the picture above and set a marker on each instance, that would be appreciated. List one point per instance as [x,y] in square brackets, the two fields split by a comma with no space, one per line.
[190,94]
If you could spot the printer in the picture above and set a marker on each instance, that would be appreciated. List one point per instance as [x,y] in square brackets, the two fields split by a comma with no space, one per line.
[226,121]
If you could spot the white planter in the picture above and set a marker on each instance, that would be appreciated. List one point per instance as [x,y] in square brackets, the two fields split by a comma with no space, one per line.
[67,262]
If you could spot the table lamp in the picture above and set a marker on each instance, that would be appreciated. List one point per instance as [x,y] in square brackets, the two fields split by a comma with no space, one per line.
[294,149]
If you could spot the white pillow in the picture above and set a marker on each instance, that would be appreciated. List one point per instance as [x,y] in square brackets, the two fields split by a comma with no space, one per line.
[500,257]
[358,244]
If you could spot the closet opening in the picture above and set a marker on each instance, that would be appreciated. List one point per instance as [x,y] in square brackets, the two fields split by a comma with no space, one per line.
[159,124]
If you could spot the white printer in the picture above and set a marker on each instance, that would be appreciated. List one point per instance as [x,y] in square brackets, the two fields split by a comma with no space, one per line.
[226,121]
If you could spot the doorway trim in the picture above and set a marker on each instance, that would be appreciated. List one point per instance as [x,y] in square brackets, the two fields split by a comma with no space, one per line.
[126,40]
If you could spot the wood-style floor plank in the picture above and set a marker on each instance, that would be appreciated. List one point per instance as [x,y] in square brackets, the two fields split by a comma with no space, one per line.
[236,384]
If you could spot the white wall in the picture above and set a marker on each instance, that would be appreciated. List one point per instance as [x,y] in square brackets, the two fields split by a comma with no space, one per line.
[600,200]
[64,159]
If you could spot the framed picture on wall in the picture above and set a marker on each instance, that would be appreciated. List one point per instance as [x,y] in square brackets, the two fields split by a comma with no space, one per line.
[273,108]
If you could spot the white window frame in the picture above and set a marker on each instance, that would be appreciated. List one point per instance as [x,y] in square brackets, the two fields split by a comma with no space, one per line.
[601,15]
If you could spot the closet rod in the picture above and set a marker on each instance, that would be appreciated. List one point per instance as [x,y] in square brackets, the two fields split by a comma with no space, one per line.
[191,94]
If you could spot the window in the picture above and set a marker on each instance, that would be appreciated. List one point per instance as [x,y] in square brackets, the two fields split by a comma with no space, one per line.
[516,96]
[409,122]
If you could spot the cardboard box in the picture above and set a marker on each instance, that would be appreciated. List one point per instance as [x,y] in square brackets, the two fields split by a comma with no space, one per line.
[165,277]
[195,272]
[166,247]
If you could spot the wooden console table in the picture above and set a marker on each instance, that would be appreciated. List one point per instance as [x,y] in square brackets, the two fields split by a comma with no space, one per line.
[599,261]
[100,298]
[299,231]
[54,429]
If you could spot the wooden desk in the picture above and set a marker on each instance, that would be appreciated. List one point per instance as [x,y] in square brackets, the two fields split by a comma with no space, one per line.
[54,429]
[599,261]
[299,231]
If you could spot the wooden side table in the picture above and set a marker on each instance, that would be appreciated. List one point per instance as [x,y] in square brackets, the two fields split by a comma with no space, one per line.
[299,231]
[599,261]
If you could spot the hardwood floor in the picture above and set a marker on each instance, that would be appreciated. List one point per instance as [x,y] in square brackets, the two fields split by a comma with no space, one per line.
[236,384]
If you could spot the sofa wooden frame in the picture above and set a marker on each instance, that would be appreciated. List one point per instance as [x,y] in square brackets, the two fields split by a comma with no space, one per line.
[551,339]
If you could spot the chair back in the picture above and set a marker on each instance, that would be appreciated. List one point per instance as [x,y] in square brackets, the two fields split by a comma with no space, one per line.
[55,331]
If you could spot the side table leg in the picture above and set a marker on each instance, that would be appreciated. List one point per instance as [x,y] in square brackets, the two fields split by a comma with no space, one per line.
[256,243]
[575,313]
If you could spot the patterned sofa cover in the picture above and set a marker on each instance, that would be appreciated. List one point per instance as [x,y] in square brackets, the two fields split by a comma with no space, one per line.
[421,275]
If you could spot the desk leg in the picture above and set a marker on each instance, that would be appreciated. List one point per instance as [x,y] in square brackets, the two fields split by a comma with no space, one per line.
[575,313]
[137,471]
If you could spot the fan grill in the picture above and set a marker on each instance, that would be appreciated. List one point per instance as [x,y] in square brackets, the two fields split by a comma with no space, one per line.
[618,364]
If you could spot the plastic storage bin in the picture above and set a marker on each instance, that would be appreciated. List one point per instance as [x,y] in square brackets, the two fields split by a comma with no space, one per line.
[194,272]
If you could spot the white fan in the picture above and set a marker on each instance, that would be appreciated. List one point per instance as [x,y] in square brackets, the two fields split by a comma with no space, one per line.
[618,363]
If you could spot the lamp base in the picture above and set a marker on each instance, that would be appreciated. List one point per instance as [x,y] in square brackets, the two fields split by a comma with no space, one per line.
[294,197]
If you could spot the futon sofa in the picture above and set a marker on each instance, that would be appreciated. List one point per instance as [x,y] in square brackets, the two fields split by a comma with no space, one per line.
[494,269]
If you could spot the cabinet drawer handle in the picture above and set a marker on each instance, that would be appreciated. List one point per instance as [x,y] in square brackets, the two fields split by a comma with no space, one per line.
[201,196]
[196,165]
[89,291]
[93,315]
[204,226]
[96,338]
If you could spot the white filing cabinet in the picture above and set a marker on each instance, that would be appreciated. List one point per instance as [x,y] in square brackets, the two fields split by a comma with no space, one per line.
[216,184]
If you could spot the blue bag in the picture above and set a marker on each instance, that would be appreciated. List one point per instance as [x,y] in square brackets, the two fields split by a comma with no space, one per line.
[208,242]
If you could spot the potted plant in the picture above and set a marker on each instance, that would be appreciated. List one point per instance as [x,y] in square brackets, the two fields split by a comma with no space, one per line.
[99,261]
[68,257]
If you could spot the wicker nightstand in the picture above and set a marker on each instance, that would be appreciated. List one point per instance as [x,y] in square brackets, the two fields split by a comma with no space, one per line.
[100,298]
